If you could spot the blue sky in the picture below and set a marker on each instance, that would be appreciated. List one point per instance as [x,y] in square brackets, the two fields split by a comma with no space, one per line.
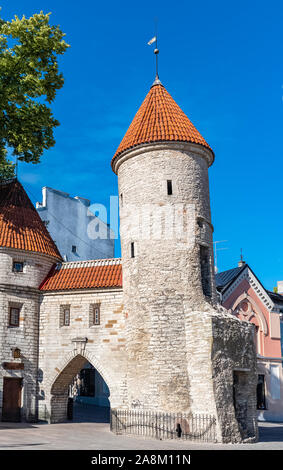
[222,63]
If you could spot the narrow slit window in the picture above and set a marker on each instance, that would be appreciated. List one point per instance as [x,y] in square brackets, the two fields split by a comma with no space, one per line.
[74,249]
[205,271]
[169,188]
[132,250]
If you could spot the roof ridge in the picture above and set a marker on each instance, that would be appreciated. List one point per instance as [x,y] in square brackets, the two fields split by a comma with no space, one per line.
[90,263]
[227,270]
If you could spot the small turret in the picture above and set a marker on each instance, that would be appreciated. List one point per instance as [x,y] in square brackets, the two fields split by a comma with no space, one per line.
[166,240]
[27,253]
[181,348]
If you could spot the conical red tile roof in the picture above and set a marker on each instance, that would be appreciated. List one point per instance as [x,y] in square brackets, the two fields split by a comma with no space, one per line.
[20,225]
[159,119]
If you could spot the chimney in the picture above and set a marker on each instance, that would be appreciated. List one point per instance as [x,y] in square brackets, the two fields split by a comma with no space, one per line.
[280,287]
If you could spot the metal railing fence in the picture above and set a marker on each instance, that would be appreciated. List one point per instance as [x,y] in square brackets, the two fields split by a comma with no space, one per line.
[151,424]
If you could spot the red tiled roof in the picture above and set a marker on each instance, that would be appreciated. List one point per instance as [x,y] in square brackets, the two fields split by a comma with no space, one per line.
[21,227]
[84,275]
[159,119]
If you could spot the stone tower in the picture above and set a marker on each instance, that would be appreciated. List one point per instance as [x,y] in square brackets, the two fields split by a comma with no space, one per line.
[183,353]
[27,254]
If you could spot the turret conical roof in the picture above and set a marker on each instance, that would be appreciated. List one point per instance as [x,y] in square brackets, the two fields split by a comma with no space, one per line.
[21,227]
[159,119]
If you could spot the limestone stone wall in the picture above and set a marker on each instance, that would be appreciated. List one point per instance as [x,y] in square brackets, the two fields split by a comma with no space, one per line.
[63,350]
[222,371]
[235,377]
[21,290]
[184,354]
[35,269]
[165,268]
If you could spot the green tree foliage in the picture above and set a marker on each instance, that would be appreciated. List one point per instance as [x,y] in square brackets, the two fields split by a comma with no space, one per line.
[29,80]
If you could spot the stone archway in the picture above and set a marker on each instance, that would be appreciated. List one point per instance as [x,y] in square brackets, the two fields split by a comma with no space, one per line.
[59,384]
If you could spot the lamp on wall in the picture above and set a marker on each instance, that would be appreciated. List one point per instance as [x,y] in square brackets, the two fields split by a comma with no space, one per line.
[16,353]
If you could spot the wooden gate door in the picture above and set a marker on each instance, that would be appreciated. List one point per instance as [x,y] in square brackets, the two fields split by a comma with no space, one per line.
[11,410]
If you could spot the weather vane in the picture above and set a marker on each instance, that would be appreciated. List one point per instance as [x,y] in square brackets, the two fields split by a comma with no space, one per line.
[156,50]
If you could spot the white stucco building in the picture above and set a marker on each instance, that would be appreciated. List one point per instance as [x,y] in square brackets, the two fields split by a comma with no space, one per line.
[73,225]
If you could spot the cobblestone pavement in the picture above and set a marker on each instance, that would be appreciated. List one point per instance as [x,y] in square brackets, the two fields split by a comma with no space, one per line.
[87,435]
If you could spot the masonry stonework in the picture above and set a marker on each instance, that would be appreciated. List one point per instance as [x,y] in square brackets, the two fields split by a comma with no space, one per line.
[21,290]
[63,350]
[175,359]
[162,344]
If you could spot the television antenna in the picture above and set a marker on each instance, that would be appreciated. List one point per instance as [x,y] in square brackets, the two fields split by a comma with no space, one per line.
[216,249]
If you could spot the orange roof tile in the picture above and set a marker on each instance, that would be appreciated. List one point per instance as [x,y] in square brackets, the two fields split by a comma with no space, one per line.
[159,119]
[84,275]
[21,227]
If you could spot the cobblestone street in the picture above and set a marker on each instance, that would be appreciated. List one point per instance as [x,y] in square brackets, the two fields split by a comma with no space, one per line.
[96,436]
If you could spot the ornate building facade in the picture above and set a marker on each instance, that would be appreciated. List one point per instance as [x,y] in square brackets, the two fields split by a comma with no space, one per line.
[241,291]
[149,323]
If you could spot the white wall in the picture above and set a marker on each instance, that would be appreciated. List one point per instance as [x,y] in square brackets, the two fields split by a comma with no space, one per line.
[71,222]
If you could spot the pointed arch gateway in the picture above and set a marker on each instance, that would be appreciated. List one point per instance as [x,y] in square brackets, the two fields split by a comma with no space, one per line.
[65,373]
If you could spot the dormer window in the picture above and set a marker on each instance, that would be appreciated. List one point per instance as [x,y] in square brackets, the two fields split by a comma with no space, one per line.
[18,266]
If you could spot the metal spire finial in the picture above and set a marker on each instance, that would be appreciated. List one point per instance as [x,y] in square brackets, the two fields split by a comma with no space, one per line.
[156,52]
[241,262]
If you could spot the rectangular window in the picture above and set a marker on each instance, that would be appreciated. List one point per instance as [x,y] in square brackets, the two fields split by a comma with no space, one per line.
[169,187]
[205,271]
[65,315]
[18,266]
[132,250]
[94,314]
[14,317]
[74,249]
[260,392]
